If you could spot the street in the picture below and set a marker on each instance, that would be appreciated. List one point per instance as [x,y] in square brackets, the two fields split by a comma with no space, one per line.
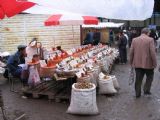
[123,106]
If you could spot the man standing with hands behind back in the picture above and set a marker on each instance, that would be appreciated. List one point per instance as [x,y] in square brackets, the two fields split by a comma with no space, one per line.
[143,59]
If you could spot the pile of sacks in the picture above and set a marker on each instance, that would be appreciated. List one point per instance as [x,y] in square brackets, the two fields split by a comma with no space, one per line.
[83,98]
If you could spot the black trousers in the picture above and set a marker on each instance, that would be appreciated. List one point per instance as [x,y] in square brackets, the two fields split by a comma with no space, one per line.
[123,55]
[139,78]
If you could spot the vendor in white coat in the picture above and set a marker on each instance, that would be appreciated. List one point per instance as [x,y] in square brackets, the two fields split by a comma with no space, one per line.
[31,49]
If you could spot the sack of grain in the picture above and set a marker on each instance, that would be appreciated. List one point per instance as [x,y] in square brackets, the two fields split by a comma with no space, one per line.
[93,77]
[83,99]
[106,86]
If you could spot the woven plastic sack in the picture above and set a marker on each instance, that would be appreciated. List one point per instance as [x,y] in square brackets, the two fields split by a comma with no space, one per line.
[115,82]
[105,66]
[93,77]
[83,101]
[106,86]
[97,71]
[86,78]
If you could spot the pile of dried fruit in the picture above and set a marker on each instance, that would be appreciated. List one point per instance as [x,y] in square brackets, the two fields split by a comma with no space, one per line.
[83,85]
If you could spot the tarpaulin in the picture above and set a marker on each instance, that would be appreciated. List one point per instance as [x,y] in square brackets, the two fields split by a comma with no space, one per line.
[111,9]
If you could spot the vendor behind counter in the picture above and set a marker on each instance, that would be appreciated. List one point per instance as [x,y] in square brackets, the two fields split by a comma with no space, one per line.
[34,47]
[60,49]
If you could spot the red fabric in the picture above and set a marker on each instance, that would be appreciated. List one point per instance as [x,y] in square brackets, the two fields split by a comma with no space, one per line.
[53,20]
[90,20]
[2,14]
[22,0]
[13,7]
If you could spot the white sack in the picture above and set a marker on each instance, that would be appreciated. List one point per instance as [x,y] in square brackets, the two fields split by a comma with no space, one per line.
[115,82]
[106,86]
[83,101]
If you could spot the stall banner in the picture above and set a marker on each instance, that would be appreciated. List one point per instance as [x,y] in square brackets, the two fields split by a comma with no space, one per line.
[111,9]
[71,19]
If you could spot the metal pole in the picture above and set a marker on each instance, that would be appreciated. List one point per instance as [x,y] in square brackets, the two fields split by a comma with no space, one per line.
[54,36]
[81,35]
[73,33]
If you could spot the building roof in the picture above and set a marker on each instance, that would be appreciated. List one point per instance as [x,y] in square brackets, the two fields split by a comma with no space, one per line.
[104,25]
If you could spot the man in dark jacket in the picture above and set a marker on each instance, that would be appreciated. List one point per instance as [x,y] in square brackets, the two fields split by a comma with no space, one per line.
[132,36]
[96,37]
[89,38]
[122,43]
[15,60]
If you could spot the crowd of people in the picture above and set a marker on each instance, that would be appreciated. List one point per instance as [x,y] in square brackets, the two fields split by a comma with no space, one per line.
[123,40]
[143,46]
[92,37]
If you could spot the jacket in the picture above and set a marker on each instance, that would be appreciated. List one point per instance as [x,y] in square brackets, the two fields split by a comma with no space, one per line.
[142,53]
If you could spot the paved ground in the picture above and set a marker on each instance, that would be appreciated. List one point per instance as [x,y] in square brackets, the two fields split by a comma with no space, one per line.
[123,106]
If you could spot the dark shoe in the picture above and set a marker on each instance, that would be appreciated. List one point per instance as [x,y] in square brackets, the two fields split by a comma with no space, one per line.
[138,96]
[147,93]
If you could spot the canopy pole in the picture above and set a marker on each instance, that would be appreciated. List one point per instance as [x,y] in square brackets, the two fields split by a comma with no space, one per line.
[24,29]
[73,33]
[54,36]
[81,35]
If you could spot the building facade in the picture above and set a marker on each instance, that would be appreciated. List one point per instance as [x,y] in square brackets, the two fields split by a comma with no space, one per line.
[22,28]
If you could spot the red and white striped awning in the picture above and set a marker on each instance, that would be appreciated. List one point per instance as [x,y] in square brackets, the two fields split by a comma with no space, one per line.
[70,19]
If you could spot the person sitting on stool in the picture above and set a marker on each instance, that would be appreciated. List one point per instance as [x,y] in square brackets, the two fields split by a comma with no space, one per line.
[15,60]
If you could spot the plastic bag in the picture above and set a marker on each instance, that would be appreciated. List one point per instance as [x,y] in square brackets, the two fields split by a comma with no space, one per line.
[131,76]
[2,70]
[34,78]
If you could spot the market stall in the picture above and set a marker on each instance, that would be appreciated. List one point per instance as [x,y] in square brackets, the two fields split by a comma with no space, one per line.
[102,27]
[79,64]
[54,57]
